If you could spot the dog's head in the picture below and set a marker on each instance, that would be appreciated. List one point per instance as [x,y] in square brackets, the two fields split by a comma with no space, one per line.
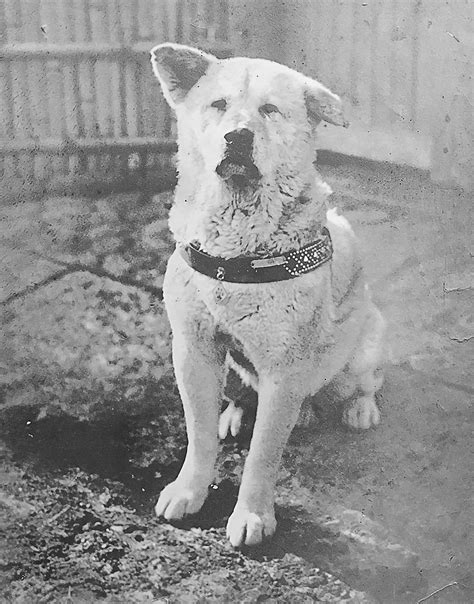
[250,121]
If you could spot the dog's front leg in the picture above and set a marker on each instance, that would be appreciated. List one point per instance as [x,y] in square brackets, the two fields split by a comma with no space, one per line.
[279,403]
[200,375]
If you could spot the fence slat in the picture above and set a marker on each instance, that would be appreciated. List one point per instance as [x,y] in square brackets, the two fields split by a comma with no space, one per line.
[39,111]
[31,24]
[381,68]
[172,15]
[13,22]
[100,33]
[131,94]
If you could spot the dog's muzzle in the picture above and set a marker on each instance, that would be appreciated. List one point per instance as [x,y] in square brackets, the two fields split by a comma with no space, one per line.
[237,165]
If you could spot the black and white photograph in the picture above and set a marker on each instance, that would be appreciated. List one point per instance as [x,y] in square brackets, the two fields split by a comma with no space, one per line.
[236,301]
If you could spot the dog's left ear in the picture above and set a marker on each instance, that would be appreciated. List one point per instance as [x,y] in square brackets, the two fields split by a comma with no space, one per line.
[322,104]
[179,68]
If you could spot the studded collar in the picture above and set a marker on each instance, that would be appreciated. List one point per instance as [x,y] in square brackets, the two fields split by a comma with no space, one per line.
[253,269]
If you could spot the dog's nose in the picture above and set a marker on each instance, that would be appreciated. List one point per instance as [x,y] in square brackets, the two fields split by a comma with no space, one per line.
[241,138]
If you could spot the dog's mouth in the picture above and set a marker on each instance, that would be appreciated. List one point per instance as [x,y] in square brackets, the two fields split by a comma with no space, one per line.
[238,171]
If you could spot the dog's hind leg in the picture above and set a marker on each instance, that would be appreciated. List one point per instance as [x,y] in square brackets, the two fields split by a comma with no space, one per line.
[230,420]
[200,373]
[363,376]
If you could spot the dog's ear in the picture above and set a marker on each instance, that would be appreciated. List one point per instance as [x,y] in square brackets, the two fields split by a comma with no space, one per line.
[322,104]
[178,68]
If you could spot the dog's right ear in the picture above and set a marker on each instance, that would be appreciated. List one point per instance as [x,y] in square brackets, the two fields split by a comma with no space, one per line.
[178,68]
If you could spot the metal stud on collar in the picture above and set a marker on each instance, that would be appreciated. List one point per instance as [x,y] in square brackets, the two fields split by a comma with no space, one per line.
[308,259]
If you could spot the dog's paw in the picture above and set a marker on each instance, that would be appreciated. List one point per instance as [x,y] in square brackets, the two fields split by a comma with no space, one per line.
[247,528]
[230,420]
[362,413]
[178,500]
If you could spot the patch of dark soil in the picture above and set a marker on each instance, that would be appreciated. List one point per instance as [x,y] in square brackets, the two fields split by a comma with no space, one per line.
[77,522]
[144,452]
[75,536]
[111,448]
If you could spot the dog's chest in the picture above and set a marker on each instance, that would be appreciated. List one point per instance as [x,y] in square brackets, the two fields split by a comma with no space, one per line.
[274,324]
[269,319]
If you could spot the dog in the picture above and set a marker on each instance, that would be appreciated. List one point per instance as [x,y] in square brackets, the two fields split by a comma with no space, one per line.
[264,278]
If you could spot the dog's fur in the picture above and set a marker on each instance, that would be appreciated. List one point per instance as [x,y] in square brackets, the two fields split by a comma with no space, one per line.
[298,335]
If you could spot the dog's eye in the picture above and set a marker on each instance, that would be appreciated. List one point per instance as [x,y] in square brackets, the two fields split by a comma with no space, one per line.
[220,104]
[268,109]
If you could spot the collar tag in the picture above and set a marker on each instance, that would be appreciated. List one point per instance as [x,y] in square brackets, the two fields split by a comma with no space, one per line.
[220,293]
[266,262]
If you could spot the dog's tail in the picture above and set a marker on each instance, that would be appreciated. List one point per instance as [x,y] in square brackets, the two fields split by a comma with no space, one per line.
[243,368]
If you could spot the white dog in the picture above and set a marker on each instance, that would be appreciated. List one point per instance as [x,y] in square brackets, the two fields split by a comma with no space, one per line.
[263,277]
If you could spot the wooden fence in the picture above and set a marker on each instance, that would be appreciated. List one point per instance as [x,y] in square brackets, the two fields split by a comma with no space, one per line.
[78,98]
[77,94]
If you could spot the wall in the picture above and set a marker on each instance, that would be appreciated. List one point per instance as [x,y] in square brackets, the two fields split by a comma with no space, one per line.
[77,96]
[403,68]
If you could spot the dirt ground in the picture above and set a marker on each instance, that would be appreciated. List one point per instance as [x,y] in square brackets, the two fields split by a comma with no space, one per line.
[93,429]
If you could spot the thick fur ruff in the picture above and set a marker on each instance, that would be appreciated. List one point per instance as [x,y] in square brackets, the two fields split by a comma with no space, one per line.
[295,336]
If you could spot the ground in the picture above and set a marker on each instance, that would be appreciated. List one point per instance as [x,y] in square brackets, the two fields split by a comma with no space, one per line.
[93,427]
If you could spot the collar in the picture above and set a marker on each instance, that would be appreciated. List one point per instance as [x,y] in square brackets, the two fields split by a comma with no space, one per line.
[254,269]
